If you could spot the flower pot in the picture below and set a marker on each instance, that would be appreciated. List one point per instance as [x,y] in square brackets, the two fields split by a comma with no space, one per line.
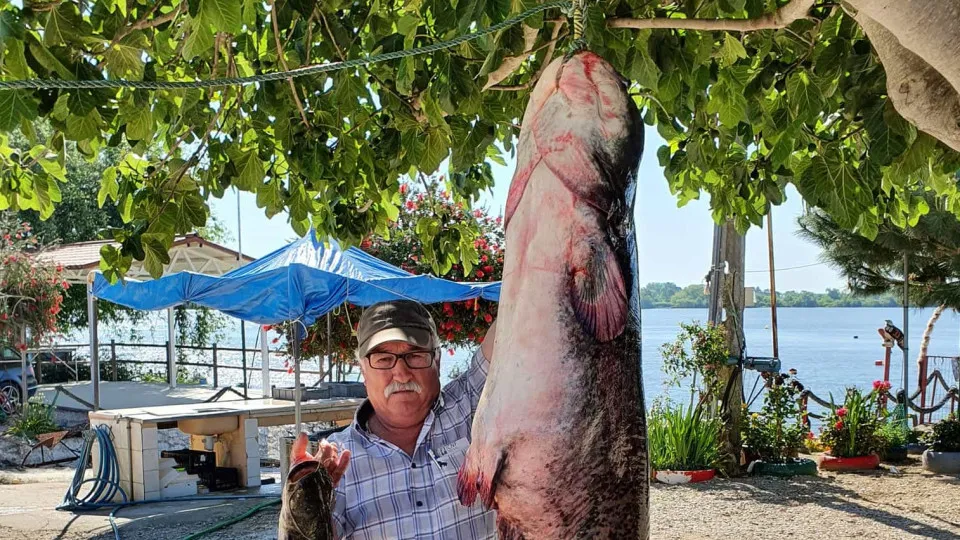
[684,477]
[858,463]
[916,448]
[941,462]
[792,467]
[895,454]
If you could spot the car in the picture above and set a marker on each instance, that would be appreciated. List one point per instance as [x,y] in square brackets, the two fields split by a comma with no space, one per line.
[11,373]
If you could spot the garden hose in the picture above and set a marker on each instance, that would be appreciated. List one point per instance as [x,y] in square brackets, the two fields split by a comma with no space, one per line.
[227,522]
[106,485]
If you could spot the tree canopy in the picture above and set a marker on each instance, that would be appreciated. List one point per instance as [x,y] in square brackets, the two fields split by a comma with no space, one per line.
[749,95]
[932,246]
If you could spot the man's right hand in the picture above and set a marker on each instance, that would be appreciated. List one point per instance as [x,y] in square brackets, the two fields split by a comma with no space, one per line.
[327,456]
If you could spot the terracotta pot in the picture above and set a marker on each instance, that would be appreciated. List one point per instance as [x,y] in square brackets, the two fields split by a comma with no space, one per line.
[858,463]
[684,477]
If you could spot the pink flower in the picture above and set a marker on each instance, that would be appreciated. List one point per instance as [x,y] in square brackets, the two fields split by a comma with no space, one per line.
[477,214]
[411,205]
[838,425]
[841,412]
[403,189]
[810,435]
[450,351]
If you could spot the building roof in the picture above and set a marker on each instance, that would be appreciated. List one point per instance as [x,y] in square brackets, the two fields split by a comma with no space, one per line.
[190,253]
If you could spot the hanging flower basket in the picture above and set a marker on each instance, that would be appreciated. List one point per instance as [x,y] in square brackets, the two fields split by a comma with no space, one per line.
[858,463]
[792,467]
[684,477]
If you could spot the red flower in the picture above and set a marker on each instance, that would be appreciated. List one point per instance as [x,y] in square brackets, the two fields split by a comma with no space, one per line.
[488,269]
[841,412]
[479,273]
[411,205]
[487,317]
[450,351]
[810,435]
[483,258]
[403,189]
[838,425]
[470,336]
[22,347]
[450,336]
[477,214]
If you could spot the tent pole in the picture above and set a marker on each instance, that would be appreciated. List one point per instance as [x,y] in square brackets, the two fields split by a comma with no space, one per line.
[296,374]
[264,363]
[171,350]
[94,343]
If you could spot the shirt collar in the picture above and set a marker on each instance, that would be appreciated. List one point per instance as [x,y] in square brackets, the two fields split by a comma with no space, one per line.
[365,411]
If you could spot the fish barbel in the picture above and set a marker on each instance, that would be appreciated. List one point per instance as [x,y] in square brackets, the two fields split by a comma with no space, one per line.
[559,437]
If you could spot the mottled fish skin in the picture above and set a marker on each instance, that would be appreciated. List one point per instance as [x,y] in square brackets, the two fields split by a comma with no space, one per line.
[559,437]
[307,504]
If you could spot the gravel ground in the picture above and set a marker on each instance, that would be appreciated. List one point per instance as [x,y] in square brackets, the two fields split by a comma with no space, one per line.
[890,503]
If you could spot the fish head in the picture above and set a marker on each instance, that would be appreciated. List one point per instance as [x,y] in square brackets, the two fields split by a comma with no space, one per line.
[583,125]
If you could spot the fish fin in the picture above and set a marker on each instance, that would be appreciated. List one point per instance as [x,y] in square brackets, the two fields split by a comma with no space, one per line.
[525,168]
[473,481]
[599,295]
[507,530]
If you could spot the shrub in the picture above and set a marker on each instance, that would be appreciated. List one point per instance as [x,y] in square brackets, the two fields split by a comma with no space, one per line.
[683,439]
[945,436]
[851,430]
[777,431]
[37,420]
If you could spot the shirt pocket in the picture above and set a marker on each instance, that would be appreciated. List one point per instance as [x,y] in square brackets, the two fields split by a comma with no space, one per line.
[448,466]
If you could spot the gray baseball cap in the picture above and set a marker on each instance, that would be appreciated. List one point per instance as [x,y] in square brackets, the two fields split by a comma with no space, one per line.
[396,320]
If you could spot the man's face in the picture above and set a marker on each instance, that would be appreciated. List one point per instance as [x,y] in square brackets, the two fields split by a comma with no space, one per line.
[401,397]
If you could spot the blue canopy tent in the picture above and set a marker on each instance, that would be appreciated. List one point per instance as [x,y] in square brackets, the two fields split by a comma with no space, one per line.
[301,282]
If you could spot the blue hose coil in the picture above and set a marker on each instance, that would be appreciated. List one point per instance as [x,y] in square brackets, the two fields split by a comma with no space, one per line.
[106,482]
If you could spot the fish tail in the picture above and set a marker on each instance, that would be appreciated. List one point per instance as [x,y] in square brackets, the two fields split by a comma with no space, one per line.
[467,479]
[473,481]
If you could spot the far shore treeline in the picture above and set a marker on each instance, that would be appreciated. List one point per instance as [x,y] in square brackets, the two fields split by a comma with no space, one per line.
[669,295]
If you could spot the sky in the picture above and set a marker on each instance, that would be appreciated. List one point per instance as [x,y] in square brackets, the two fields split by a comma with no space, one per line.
[674,243]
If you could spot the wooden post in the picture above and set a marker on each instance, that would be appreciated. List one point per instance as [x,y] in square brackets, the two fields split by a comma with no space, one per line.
[113,358]
[773,285]
[732,299]
[214,365]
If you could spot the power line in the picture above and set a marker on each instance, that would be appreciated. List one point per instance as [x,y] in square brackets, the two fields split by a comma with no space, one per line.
[280,75]
[787,268]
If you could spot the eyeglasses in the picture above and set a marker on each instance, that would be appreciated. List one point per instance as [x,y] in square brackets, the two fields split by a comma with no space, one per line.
[413,359]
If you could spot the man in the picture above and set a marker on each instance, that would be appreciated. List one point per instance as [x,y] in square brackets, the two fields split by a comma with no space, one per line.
[397,474]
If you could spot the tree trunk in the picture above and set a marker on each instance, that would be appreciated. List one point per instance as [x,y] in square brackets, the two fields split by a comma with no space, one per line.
[925,343]
[732,300]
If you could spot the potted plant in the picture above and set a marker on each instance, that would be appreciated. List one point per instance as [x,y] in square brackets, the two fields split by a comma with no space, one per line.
[943,455]
[850,433]
[775,434]
[684,443]
[893,440]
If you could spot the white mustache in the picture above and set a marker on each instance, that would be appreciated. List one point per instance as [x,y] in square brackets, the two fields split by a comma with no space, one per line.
[399,386]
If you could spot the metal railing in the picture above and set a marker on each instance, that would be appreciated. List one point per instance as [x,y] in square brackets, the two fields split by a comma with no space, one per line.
[111,358]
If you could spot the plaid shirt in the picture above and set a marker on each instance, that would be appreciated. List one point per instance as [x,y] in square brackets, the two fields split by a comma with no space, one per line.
[387,494]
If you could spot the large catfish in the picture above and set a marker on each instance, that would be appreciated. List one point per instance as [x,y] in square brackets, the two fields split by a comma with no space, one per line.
[559,436]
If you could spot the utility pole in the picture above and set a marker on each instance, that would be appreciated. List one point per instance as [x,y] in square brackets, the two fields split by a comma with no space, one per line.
[726,308]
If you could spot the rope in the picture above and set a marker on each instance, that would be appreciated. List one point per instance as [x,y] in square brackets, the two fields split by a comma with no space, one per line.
[281,75]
